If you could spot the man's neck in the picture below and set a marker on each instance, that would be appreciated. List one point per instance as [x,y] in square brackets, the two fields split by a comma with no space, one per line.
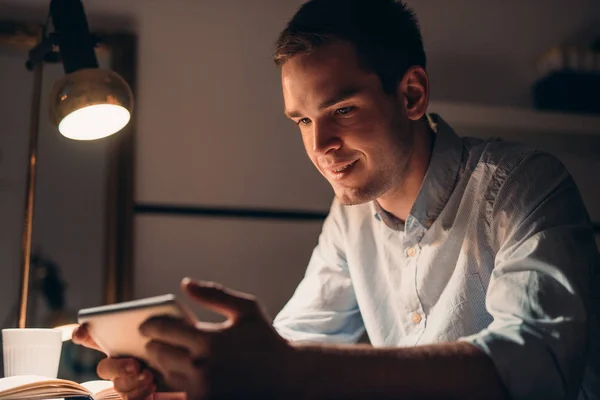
[399,201]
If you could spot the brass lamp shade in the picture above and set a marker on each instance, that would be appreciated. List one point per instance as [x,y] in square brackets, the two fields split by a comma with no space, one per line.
[90,104]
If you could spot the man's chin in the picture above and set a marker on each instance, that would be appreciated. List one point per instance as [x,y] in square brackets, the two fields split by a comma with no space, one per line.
[359,194]
[354,197]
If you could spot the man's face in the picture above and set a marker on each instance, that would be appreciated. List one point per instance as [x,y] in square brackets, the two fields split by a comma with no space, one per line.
[357,136]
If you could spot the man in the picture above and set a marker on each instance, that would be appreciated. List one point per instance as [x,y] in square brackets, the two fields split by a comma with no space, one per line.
[469,263]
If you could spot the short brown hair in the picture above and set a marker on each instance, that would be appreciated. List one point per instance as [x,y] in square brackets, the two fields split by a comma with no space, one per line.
[384,33]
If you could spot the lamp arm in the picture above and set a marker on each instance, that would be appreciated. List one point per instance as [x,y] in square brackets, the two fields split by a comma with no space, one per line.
[30,194]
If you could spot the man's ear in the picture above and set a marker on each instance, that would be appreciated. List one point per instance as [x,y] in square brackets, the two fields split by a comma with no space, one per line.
[414,89]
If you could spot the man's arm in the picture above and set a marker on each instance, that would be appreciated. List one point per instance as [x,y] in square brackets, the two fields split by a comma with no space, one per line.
[455,370]
[539,291]
[323,308]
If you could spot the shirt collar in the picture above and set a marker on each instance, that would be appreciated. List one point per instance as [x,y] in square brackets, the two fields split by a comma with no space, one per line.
[439,180]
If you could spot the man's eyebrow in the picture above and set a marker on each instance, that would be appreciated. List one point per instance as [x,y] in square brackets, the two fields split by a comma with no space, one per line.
[292,114]
[339,97]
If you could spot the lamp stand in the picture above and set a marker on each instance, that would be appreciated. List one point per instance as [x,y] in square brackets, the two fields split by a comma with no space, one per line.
[30,193]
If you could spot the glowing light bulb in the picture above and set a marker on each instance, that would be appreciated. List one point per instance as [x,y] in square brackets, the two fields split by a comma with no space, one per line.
[91,104]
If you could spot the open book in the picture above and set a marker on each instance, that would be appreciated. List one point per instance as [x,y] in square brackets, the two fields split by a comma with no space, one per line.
[31,387]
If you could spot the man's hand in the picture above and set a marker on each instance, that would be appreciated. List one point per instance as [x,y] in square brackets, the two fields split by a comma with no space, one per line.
[241,357]
[129,378]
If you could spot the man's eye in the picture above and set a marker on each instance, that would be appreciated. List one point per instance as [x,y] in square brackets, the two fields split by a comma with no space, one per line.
[303,121]
[344,110]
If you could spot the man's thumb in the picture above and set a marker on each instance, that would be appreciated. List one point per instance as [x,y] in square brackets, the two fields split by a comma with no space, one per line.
[217,298]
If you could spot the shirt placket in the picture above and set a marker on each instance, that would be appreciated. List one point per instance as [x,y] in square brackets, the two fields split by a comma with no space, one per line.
[414,318]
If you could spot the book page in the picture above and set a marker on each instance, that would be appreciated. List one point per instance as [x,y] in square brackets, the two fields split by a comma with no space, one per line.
[35,387]
[97,386]
[19,380]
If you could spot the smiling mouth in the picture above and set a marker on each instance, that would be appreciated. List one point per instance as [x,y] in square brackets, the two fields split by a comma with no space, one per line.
[342,171]
[343,168]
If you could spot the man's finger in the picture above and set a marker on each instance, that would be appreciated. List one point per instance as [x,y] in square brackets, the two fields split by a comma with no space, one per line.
[127,383]
[175,332]
[111,368]
[82,337]
[170,360]
[215,297]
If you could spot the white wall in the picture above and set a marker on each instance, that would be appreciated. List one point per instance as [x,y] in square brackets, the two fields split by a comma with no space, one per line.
[211,129]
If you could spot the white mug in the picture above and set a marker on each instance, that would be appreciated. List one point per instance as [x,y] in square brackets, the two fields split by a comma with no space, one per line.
[31,351]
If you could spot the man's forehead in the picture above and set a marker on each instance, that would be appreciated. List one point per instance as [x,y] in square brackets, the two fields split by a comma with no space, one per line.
[336,55]
[319,88]
[323,74]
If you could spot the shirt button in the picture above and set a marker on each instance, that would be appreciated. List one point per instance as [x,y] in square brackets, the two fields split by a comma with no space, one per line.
[415,318]
[411,252]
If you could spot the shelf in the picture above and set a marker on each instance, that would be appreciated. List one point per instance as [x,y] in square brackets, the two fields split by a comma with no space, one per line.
[498,118]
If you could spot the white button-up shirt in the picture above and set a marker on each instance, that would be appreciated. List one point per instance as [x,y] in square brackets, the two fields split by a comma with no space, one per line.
[498,250]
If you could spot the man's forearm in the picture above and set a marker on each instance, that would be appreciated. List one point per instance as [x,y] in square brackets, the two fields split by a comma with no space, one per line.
[449,371]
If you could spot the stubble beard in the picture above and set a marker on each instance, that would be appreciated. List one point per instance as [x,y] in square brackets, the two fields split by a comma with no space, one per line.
[384,178]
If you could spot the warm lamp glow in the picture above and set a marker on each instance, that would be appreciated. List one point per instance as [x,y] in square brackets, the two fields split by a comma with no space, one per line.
[94,122]
[90,103]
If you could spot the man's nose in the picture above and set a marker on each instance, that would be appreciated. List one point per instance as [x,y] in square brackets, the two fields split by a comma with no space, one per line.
[325,138]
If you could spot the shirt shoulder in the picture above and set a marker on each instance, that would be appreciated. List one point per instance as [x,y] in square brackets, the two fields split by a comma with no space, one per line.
[509,177]
[502,160]
[499,154]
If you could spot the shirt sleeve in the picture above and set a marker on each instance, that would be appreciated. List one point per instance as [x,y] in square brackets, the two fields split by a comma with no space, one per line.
[538,293]
[324,308]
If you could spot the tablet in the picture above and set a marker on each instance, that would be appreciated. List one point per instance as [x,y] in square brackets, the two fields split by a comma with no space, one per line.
[115,327]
